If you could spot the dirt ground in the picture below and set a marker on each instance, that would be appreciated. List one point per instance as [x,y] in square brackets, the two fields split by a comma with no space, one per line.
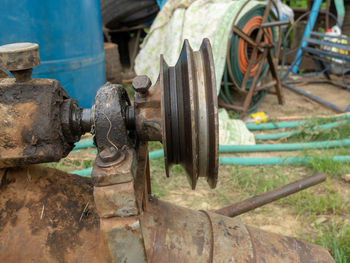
[298,105]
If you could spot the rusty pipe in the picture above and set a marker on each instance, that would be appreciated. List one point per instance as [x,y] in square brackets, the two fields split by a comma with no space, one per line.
[175,234]
[270,196]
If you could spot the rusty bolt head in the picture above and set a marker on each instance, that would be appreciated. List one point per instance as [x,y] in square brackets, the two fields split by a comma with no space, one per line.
[141,84]
[109,155]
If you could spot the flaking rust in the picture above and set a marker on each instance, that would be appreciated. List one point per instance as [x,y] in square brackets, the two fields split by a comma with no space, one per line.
[26,134]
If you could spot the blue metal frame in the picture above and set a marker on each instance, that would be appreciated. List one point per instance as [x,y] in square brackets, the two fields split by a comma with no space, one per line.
[315,98]
[309,26]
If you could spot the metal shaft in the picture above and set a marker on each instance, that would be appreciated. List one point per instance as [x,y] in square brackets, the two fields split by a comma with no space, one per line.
[270,196]
[275,23]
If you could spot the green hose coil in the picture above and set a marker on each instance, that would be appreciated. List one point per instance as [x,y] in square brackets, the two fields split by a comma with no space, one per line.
[237,75]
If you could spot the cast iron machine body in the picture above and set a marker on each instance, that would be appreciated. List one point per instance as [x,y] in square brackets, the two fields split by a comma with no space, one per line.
[50,216]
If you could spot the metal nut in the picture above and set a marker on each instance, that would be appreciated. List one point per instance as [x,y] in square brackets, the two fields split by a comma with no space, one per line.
[109,155]
[141,84]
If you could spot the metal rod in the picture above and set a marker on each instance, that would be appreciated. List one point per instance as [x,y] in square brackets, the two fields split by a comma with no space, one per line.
[275,23]
[229,106]
[247,38]
[267,85]
[270,196]
[314,98]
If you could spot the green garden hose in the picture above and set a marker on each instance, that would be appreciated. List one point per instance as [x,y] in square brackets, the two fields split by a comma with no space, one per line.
[287,124]
[88,143]
[253,161]
[277,160]
[276,136]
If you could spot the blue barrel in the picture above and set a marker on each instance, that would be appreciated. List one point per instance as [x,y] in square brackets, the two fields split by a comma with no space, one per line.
[69,34]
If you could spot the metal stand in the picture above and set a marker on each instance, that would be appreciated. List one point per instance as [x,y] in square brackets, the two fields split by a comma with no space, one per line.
[313,45]
[266,54]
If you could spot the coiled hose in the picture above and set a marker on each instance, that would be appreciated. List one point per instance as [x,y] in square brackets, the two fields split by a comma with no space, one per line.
[238,56]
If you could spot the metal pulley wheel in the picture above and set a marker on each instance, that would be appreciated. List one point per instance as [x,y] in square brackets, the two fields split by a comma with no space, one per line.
[189,114]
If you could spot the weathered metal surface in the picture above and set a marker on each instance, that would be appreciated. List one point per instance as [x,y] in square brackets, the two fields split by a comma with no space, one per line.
[141,84]
[124,239]
[72,122]
[276,23]
[176,234]
[19,56]
[115,200]
[115,173]
[30,131]
[270,196]
[48,216]
[22,75]
[189,113]
[109,113]
[148,118]
[270,247]
[141,185]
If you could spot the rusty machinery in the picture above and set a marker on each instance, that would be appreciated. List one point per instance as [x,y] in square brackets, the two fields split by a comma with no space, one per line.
[50,216]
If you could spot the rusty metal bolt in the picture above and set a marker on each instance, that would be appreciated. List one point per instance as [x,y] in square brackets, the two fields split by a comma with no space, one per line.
[109,155]
[141,84]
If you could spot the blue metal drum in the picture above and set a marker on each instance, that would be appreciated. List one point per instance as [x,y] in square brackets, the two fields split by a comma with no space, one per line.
[69,34]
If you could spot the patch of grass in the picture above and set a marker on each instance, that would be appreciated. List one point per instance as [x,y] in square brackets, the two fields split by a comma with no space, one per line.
[323,199]
[260,182]
[298,3]
[310,131]
[157,167]
[69,165]
[153,146]
[336,238]
[310,202]
[158,188]
[87,164]
[57,165]
[327,165]
[129,89]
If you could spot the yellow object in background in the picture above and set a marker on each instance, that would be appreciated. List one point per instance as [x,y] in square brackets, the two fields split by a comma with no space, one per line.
[259,117]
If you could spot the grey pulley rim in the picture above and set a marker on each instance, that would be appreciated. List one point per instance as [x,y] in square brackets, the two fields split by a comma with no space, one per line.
[189,114]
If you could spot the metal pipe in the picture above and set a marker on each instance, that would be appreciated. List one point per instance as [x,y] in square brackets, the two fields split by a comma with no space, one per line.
[314,98]
[270,196]
[276,23]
